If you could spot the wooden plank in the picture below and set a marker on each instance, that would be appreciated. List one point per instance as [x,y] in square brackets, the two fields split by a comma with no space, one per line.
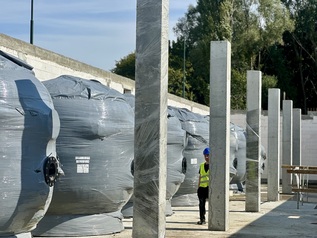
[305,190]
[286,166]
[302,171]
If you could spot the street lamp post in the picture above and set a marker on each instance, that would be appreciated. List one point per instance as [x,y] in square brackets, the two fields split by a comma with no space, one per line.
[31,24]
[184,67]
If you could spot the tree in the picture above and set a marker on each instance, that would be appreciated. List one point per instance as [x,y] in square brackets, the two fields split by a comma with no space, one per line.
[258,25]
[239,89]
[268,81]
[180,70]
[277,37]
[299,55]
[126,66]
[251,27]
[200,25]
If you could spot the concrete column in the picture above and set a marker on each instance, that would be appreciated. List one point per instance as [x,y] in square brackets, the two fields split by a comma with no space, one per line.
[297,144]
[253,178]
[274,142]
[150,119]
[287,144]
[220,66]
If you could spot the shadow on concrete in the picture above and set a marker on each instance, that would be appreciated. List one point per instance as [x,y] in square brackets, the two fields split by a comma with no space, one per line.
[283,220]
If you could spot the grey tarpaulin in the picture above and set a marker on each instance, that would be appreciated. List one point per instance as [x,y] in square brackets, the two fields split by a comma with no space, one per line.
[176,164]
[96,148]
[29,126]
[176,142]
[262,159]
[233,141]
[197,130]
[240,162]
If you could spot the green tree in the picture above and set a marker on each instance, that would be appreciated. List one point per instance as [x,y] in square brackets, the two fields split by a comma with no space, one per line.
[268,81]
[258,25]
[180,70]
[200,25]
[304,42]
[251,27]
[239,89]
[275,62]
[126,66]
[262,37]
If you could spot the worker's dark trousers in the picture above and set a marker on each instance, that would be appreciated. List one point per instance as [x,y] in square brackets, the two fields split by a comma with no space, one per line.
[202,196]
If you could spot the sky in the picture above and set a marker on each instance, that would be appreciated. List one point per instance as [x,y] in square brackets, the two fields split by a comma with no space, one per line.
[95,32]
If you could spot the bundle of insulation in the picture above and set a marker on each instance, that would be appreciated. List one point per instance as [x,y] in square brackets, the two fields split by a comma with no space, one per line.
[240,163]
[176,163]
[240,158]
[176,169]
[233,144]
[197,128]
[197,133]
[29,167]
[96,148]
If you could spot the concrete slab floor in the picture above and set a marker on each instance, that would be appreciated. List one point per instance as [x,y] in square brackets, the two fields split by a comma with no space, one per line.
[276,219]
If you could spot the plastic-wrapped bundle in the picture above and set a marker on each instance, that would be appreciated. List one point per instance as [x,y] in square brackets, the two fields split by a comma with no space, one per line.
[96,148]
[262,159]
[176,141]
[130,98]
[176,163]
[234,146]
[29,126]
[197,130]
[240,162]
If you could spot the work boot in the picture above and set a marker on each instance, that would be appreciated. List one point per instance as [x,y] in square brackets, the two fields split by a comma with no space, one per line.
[201,222]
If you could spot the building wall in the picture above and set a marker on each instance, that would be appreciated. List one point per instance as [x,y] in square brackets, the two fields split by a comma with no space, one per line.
[308,136]
[47,65]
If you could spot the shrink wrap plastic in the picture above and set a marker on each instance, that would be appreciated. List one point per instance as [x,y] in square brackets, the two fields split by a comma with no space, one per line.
[96,148]
[197,132]
[176,169]
[240,160]
[176,163]
[29,126]
[197,128]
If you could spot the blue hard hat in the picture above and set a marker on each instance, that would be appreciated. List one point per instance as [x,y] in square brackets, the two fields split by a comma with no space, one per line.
[206,151]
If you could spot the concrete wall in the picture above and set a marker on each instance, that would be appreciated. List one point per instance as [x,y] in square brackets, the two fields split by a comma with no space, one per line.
[309,135]
[48,65]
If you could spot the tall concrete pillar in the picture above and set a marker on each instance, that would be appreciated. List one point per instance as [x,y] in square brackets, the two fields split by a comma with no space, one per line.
[287,144]
[274,142]
[220,66]
[297,144]
[150,119]
[253,178]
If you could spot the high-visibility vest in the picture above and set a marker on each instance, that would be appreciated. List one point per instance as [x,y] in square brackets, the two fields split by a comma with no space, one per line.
[204,176]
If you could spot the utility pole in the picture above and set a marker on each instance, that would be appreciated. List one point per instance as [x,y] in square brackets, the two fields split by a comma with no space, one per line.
[184,67]
[31,24]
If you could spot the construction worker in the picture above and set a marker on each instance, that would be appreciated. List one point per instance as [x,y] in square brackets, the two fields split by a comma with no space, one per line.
[203,186]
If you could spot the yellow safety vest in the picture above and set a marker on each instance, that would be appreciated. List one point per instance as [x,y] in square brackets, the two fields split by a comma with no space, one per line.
[204,176]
